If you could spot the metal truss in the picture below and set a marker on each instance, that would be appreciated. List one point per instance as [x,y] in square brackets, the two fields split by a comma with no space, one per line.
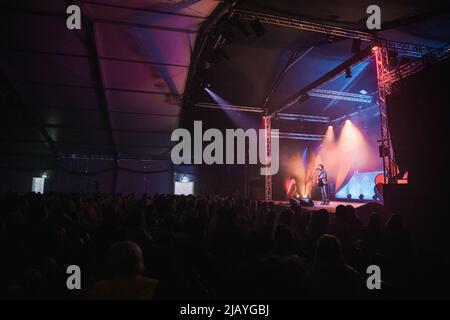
[338,95]
[280,116]
[302,117]
[417,65]
[298,136]
[229,107]
[268,149]
[386,78]
[302,24]
[402,48]
[382,66]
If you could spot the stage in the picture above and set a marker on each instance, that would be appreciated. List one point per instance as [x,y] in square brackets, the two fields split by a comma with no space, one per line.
[331,207]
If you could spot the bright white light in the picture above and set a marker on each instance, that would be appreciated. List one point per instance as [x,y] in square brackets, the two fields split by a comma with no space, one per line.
[44,175]
[363,92]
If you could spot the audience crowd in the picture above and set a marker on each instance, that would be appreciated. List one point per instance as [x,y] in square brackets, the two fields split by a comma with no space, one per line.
[196,247]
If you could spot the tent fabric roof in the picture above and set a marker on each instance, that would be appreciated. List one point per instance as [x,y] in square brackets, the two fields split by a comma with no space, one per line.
[143,53]
[125,99]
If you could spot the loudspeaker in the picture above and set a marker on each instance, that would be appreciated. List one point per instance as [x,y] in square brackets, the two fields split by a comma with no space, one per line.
[301,202]
[306,202]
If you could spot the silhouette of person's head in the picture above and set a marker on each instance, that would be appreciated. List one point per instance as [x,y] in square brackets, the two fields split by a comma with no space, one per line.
[328,253]
[286,217]
[374,221]
[350,213]
[340,212]
[126,258]
[319,221]
[283,239]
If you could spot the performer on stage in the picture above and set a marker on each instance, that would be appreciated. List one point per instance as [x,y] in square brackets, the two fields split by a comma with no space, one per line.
[322,183]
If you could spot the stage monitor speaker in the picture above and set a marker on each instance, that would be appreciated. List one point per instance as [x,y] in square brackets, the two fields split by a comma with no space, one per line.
[306,202]
[302,202]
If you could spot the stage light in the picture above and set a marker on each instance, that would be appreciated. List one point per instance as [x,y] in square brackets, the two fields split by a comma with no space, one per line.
[363,91]
[206,85]
[329,136]
[44,175]
[375,48]
[258,28]
[348,121]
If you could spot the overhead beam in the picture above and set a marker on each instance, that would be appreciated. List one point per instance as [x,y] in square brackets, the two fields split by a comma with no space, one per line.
[340,95]
[77,55]
[34,119]
[261,110]
[103,157]
[146,10]
[200,44]
[303,93]
[103,21]
[293,59]
[404,48]
[229,107]
[84,128]
[89,30]
[74,109]
[415,66]
[82,86]
[302,117]
[298,136]
[89,144]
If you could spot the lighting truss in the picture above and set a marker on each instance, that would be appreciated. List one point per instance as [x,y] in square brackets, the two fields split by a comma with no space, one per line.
[229,107]
[386,78]
[338,95]
[302,117]
[402,48]
[382,66]
[268,149]
[414,66]
[281,116]
[298,136]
